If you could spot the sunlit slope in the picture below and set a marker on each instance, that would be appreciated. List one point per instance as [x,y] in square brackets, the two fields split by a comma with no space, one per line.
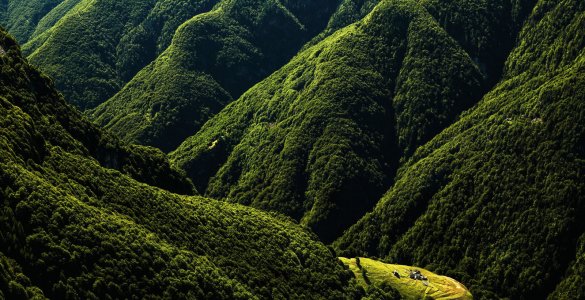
[95,47]
[372,272]
[33,92]
[496,199]
[52,17]
[74,224]
[21,17]
[348,12]
[320,139]
[214,58]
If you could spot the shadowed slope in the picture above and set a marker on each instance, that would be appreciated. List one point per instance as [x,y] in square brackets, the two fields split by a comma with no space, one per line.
[496,199]
[21,17]
[214,58]
[98,46]
[321,138]
[74,229]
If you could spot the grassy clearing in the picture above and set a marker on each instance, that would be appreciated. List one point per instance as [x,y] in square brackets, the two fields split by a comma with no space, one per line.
[376,272]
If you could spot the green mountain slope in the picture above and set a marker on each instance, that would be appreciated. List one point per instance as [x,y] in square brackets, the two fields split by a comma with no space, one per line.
[376,277]
[85,138]
[13,283]
[73,229]
[52,17]
[320,139]
[497,199]
[348,12]
[214,58]
[97,46]
[21,17]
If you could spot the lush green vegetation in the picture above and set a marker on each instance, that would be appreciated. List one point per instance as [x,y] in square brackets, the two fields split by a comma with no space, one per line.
[348,12]
[70,228]
[214,57]
[34,94]
[446,134]
[95,47]
[14,284]
[320,139]
[21,17]
[52,17]
[395,281]
[497,199]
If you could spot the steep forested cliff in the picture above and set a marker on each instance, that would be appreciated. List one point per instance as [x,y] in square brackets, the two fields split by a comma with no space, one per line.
[214,58]
[496,199]
[72,227]
[322,138]
[447,135]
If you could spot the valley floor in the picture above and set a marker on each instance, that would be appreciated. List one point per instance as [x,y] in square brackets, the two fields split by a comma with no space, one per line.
[373,272]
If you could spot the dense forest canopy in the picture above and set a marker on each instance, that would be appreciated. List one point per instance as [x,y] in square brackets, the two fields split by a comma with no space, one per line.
[213,58]
[321,139]
[72,228]
[496,199]
[233,149]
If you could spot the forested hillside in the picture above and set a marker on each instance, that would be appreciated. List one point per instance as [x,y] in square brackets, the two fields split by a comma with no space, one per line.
[347,12]
[233,140]
[214,58]
[85,138]
[21,17]
[73,229]
[95,47]
[14,284]
[497,199]
[321,139]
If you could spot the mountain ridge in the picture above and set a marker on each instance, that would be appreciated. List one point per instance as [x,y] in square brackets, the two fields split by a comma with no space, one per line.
[421,80]
[214,58]
[442,134]
[515,158]
[73,228]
